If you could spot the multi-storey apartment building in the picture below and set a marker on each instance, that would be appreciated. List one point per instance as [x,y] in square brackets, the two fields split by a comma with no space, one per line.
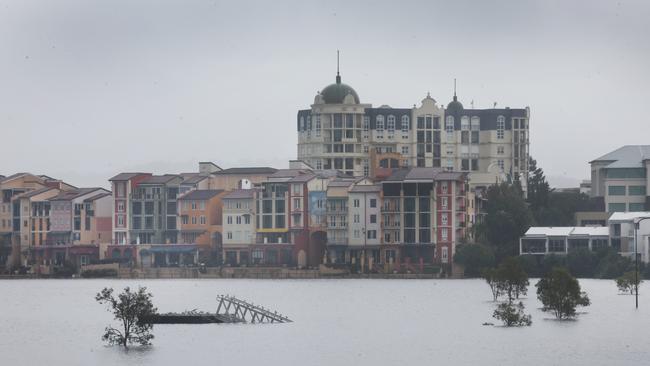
[339,132]
[200,213]
[71,215]
[424,212]
[364,223]
[239,225]
[122,186]
[336,214]
[621,179]
[154,210]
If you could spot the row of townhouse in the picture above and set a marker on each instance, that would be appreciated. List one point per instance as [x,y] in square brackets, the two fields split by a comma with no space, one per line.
[305,218]
[240,216]
[46,222]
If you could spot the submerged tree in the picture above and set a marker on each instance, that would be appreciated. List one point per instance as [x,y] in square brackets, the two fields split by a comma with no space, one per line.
[629,281]
[512,279]
[129,308]
[512,315]
[491,277]
[560,292]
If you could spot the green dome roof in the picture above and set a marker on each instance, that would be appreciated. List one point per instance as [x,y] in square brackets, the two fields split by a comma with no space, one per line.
[454,107]
[335,93]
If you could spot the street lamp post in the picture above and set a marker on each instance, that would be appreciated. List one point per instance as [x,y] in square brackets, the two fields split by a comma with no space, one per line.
[636,259]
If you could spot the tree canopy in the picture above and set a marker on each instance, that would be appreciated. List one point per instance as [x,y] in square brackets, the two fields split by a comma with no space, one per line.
[560,293]
[507,219]
[129,308]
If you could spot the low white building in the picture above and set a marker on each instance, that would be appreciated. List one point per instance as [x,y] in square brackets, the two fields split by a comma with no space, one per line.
[618,234]
[560,240]
[621,229]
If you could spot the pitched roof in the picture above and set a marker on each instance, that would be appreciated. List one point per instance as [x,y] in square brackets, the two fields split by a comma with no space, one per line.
[193,179]
[361,188]
[200,194]
[12,177]
[125,176]
[423,174]
[341,183]
[628,156]
[97,196]
[240,193]
[288,173]
[302,178]
[246,170]
[75,193]
[35,192]
[160,179]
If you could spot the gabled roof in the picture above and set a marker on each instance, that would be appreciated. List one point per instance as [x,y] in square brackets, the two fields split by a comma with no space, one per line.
[246,170]
[125,176]
[160,179]
[302,178]
[13,176]
[193,179]
[76,193]
[36,192]
[239,194]
[97,196]
[200,194]
[628,156]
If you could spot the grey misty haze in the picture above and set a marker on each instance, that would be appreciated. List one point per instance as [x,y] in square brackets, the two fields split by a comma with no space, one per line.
[92,88]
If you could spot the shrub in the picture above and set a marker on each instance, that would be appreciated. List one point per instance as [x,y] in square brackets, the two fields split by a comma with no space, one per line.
[560,292]
[512,315]
[628,282]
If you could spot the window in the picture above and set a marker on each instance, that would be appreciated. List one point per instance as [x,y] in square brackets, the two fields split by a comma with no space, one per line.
[501,126]
[616,190]
[355,203]
[444,188]
[296,203]
[445,255]
[202,220]
[616,207]
[372,234]
[356,218]
[120,207]
[366,123]
[357,233]
[405,124]
[238,220]
[476,124]
[635,207]
[556,245]
[391,123]
[450,164]
[184,220]
[405,150]
[501,165]
[449,127]
[444,219]
[444,233]
[229,235]
[444,203]
[464,123]
[317,125]
[193,205]
[373,203]
[373,219]
[636,190]
[193,220]
[247,219]
[379,123]
[229,219]
[500,150]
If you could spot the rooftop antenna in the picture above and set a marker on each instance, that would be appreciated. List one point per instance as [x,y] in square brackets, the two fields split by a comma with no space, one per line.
[455,98]
[338,76]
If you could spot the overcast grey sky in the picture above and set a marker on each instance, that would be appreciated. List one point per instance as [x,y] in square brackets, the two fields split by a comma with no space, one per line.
[92,88]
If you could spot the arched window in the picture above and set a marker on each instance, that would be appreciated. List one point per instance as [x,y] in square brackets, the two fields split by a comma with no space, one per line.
[391,123]
[308,123]
[501,126]
[476,124]
[405,124]
[449,127]
[379,126]
[464,123]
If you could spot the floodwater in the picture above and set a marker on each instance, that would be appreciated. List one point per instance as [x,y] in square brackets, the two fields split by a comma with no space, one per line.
[336,322]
